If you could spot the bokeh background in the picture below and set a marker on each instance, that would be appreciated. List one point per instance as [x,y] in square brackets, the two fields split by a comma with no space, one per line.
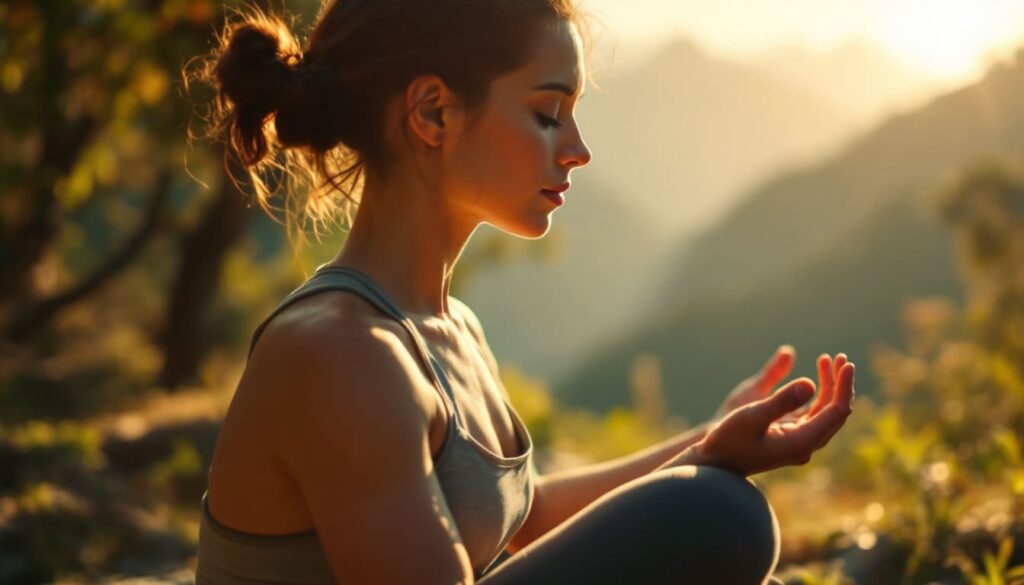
[840,175]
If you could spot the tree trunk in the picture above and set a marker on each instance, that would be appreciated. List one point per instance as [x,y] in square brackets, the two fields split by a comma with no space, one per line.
[185,337]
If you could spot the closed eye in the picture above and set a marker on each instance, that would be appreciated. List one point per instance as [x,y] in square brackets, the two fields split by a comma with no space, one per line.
[547,121]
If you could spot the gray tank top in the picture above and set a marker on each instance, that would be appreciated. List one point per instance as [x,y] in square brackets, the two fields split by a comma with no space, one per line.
[489,495]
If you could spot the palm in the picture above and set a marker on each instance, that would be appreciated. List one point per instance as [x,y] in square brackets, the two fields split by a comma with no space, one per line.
[777,430]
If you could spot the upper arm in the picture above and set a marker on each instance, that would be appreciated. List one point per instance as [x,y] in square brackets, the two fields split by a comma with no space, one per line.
[356,442]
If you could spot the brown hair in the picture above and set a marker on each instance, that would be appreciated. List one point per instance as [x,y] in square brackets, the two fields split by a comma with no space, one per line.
[327,102]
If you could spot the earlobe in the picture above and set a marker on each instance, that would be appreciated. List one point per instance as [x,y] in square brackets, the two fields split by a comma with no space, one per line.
[426,99]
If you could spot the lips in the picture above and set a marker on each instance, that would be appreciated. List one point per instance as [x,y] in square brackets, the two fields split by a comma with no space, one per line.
[561,188]
[555,194]
[555,197]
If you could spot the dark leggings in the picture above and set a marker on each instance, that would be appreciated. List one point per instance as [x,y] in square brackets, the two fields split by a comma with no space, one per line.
[676,526]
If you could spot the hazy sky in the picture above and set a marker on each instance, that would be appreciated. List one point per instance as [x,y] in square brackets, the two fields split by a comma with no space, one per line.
[951,39]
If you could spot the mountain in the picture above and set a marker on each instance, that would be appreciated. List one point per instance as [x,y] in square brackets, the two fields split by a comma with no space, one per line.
[787,220]
[822,257]
[682,134]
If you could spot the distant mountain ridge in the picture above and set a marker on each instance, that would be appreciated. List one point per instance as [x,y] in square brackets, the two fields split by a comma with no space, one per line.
[822,257]
[783,223]
[683,133]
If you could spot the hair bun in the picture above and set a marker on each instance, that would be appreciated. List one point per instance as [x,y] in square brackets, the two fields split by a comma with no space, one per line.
[254,73]
[307,111]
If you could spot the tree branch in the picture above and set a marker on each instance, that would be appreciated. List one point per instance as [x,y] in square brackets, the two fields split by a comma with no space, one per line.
[36,316]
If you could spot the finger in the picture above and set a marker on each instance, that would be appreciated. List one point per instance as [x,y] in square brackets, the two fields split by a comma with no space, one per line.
[825,383]
[837,365]
[778,367]
[845,386]
[841,360]
[842,397]
[845,391]
[756,416]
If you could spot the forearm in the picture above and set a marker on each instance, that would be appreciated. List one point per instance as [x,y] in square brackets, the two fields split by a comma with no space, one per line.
[563,493]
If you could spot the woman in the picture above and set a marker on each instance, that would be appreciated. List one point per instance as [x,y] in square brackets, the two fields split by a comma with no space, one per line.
[370,439]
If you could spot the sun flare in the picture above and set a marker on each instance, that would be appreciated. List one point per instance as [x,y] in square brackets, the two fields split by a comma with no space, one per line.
[946,38]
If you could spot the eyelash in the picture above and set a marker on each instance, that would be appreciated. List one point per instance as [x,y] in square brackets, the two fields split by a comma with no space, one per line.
[547,122]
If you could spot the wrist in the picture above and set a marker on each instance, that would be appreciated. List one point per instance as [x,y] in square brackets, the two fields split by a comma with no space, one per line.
[696,455]
[704,427]
[691,455]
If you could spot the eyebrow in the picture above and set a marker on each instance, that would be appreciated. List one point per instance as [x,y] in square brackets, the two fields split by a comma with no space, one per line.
[557,86]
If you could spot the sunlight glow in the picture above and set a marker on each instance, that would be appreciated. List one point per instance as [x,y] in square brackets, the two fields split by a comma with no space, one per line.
[943,37]
[950,40]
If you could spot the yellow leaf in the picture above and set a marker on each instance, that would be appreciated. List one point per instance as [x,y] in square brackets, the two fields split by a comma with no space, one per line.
[151,84]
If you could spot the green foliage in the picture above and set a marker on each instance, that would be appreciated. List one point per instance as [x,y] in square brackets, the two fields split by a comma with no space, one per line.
[588,435]
[54,501]
[533,403]
[603,437]
[181,477]
[815,574]
[993,569]
[47,445]
[579,432]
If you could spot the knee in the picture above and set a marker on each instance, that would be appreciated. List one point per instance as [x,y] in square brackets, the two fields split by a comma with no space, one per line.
[734,521]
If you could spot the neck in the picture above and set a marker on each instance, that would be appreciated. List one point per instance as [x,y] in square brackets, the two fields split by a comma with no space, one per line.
[408,240]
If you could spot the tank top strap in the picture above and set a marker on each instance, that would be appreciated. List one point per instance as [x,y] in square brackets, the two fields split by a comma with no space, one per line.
[351,280]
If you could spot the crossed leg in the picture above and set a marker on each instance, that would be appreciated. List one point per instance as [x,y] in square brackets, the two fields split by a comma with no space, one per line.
[678,526]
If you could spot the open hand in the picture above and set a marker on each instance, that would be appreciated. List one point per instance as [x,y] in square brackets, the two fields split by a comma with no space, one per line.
[759,436]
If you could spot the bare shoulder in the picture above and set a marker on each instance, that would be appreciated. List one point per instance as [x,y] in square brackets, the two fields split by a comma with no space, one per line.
[322,348]
[326,317]
[331,355]
[352,432]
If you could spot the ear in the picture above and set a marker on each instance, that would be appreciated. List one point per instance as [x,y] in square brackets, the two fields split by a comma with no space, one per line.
[427,99]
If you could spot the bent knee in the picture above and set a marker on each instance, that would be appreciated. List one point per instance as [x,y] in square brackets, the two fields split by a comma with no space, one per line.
[690,477]
[722,494]
[728,511]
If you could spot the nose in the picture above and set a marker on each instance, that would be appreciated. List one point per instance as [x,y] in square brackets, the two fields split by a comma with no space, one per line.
[575,152]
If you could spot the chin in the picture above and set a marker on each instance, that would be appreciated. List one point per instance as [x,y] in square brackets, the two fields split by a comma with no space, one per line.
[528,228]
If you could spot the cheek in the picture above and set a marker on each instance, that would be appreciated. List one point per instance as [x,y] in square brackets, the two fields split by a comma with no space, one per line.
[507,153]
[522,145]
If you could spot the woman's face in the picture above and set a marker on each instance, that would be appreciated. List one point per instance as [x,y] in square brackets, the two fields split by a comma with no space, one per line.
[521,141]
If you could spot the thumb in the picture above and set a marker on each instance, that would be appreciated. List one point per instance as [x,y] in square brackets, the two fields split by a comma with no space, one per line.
[790,397]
